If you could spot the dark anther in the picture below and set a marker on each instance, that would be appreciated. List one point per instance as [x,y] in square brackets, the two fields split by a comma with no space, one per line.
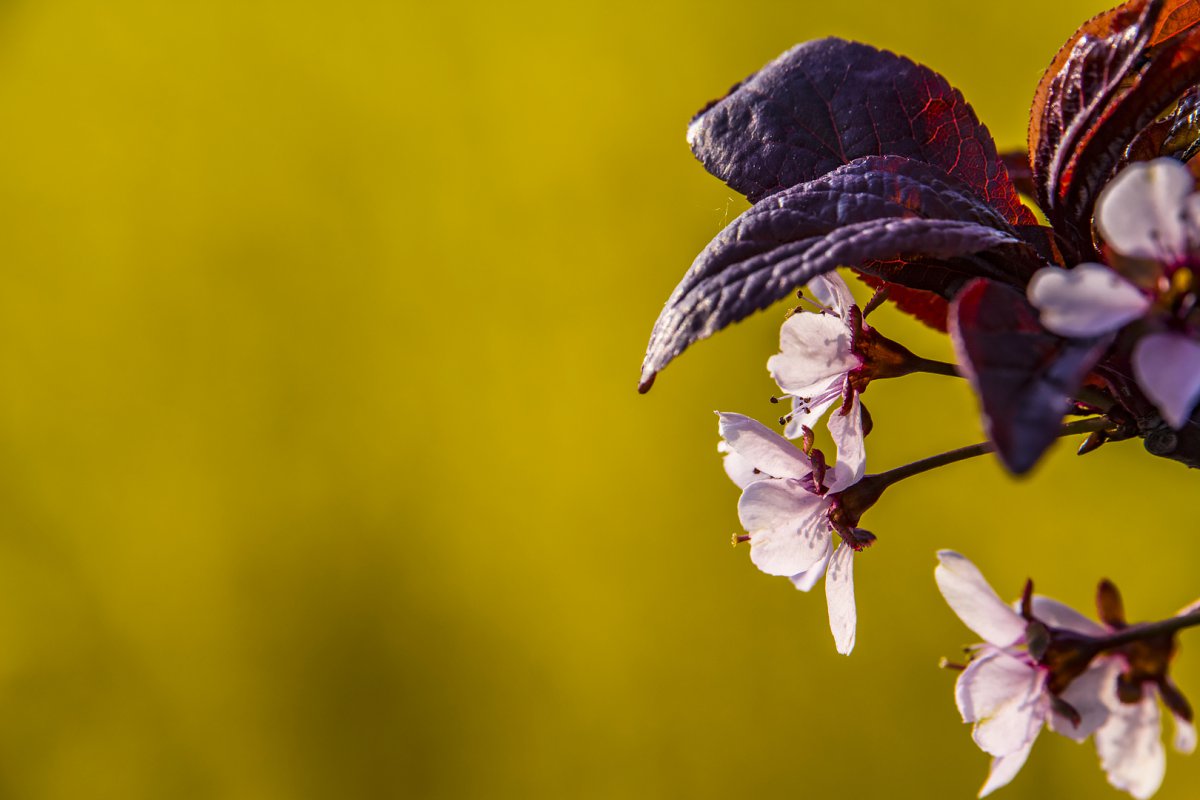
[1128,691]
[859,539]
[1174,699]
[1066,709]
[1037,637]
[1109,606]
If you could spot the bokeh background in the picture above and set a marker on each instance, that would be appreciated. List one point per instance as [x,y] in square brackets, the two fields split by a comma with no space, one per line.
[322,472]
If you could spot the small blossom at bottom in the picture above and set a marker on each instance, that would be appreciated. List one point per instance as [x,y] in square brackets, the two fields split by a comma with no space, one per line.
[1005,692]
[1130,742]
[1130,746]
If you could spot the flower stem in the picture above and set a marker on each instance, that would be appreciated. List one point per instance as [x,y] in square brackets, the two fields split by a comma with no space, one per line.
[971,451]
[1149,630]
[854,501]
[935,367]
[1087,395]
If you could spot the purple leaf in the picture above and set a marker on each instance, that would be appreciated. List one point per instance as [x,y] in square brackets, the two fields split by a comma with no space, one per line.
[1025,377]
[825,103]
[874,209]
[923,288]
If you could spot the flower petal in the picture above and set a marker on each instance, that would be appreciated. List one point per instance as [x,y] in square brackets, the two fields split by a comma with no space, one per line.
[789,529]
[1005,697]
[739,470]
[832,292]
[1086,694]
[815,354]
[805,581]
[974,601]
[1086,301]
[1140,213]
[807,415]
[1060,615]
[763,447]
[1185,735]
[847,432]
[1130,749]
[1005,768]
[839,596]
[1167,367]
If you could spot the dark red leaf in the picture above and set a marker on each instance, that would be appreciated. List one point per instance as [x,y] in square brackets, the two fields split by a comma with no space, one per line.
[904,279]
[1025,377]
[1172,70]
[871,210]
[1084,78]
[1116,76]
[826,103]
[1049,244]
[1102,26]
[1176,134]
[1177,17]
[926,306]
[1020,171]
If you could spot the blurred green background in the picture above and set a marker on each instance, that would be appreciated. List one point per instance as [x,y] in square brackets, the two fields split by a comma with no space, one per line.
[322,472]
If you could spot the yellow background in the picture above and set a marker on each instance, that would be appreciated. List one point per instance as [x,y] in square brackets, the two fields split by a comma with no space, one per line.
[322,473]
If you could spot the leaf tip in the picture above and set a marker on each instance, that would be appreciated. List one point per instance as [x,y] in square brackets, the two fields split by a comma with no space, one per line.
[1018,463]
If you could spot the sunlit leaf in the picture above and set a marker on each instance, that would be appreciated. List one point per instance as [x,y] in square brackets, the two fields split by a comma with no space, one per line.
[1025,377]
[872,210]
[1114,78]
[825,103]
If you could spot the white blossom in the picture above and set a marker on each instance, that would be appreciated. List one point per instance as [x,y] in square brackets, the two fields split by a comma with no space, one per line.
[1004,692]
[816,354]
[786,503]
[1149,212]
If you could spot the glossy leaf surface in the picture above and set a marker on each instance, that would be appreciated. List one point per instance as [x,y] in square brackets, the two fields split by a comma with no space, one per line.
[872,210]
[1084,80]
[1114,78]
[1025,377]
[825,103]
[1171,72]
[1176,135]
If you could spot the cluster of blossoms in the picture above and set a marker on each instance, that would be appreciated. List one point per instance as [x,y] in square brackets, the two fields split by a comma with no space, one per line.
[855,157]
[793,499]
[1043,663]
[1149,218]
